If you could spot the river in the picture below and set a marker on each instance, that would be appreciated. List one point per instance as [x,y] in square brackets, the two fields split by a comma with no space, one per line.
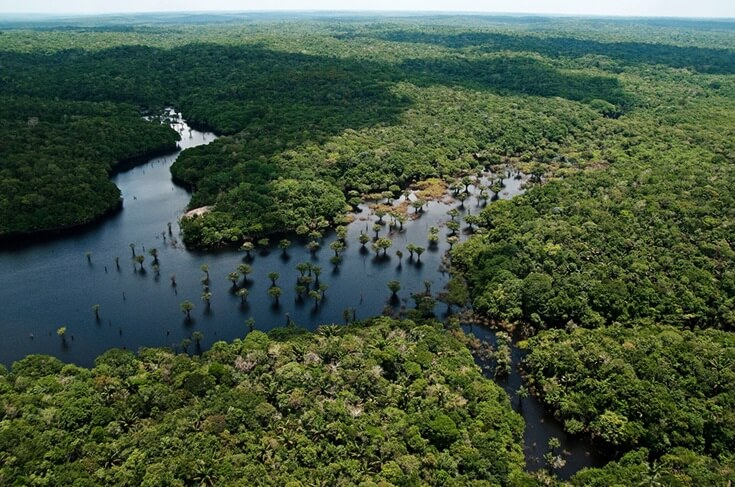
[49,282]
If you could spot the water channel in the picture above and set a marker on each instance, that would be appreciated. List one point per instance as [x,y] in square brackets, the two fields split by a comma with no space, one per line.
[50,282]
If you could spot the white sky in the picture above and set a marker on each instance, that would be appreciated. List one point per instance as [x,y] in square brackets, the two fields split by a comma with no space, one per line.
[658,8]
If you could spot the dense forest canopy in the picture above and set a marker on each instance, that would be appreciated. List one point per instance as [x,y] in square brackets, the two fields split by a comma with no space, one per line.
[619,259]
[382,402]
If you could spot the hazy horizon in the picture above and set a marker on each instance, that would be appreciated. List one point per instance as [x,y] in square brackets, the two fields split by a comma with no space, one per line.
[620,8]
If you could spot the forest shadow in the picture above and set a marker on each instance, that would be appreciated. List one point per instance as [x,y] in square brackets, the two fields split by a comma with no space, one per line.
[700,59]
[515,74]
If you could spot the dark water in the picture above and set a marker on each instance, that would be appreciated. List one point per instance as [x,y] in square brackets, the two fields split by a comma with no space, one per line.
[50,283]
[541,425]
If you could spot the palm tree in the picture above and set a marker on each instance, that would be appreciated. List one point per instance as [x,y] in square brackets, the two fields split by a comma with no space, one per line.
[302,267]
[453,226]
[284,245]
[207,298]
[337,246]
[242,293]
[313,246]
[427,286]
[419,250]
[394,286]
[275,293]
[186,307]
[233,277]
[247,247]
[61,331]
[316,296]
[342,233]
[380,213]
[244,269]
[273,276]
[377,228]
[323,289]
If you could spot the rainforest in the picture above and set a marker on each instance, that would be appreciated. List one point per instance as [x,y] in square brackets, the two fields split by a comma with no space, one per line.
[527,224]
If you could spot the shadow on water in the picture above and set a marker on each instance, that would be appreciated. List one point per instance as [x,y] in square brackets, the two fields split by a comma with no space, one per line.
[53,282]
[541,426]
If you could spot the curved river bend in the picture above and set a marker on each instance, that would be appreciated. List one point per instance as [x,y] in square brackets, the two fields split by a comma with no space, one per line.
[47,283]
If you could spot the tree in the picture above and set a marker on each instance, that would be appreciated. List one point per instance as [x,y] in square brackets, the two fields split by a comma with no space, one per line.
[313,246]
[364,238]
[139,260]
[303,268]
[337,246]
[88,255]
[186,308]
[411,249]
[453,226]
[154,253]
[205,269]
[377,228]
[96,309]
[247,247]
[472,220]
[380,213]
[197,338]
[453,213]
[284,244]
[244,270]
[263,243]
[275,293]
[419,250]
[394,286]
[316,296]
[342,233]
[132,248]
[233,277]
[61,331]
[418,205]
[383,244]
[242,293]
[207,298]
[273,276]
[250,324]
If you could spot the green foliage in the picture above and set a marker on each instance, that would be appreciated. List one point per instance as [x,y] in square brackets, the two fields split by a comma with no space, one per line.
[343,405]
[656,387]
[57,155]
[680,468]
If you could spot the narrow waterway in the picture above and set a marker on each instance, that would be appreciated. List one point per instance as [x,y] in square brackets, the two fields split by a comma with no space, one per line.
[575,451]
[48,283]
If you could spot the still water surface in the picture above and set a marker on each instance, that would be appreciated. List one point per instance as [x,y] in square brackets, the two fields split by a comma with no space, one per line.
[49,282]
